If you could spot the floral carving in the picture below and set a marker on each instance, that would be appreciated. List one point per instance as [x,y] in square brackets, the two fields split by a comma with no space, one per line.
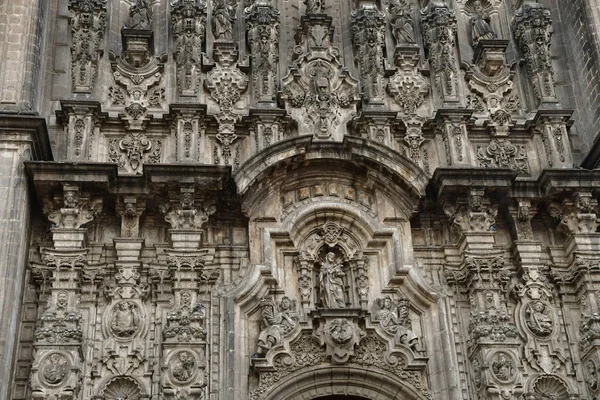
[501,153]
[88,23]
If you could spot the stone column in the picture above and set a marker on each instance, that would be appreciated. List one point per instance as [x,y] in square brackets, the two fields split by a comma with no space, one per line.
[21,139]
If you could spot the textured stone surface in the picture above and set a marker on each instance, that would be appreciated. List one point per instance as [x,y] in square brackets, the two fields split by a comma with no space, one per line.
[290,199]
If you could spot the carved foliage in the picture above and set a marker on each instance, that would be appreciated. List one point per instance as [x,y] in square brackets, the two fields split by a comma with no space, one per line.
[87,28]
[501,153]
[188,21]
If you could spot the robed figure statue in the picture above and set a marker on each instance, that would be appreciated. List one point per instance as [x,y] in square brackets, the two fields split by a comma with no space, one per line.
[331,283]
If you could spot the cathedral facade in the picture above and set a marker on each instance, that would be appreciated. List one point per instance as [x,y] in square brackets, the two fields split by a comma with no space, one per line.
[300,199]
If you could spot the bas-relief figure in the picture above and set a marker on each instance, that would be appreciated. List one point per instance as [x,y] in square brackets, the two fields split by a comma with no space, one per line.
[539,319]
[125,320]
[331,282]
[184,367]
[277,321]
[394,318]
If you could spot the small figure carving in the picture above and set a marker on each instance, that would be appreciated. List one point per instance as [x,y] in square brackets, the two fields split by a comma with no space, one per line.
[331,284]
[61,301]
[125,320]
[314,6]
[539,319]
[395,320]
[341,331]
[183,368]
[503,367]
[55,370]
[480,27]
[277,321]
[592,375]
[401,22]
[223,16]
[140,15]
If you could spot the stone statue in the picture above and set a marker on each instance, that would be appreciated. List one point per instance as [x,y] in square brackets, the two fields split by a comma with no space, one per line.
[125,320]
[480,27]
[539,319]
[183,368]
[276,321]
[331,283]
[401,22]
[503,367]
[314,6]
[223,16]
[55,370]
[395,320]
[140,15]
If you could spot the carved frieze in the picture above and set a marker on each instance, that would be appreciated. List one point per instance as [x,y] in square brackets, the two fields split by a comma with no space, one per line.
[501,153]
[88,23]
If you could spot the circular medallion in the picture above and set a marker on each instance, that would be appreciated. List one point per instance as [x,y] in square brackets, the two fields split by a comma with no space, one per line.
[183,366]
[125,319]
[538,318]
[55,369]
[503,367]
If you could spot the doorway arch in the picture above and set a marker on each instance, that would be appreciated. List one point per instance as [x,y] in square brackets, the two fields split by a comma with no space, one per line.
[343,383]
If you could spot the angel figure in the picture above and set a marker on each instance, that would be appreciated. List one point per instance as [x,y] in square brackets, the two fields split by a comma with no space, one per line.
[277,321]
[395,320]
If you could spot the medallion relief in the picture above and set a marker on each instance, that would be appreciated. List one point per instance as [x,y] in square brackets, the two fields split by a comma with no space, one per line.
[125,319]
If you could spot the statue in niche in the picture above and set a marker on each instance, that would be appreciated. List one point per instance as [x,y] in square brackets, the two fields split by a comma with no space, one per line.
[480,23]
[394,319]
[61,301]
[125,320]
[331,283]
[55,370]
[183,368]
[402,24]
[314,6]
[503,367]
[277,321]
[140,15]
[538,318]
[223,16]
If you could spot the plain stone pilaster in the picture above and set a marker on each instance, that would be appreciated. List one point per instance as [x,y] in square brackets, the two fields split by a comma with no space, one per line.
[21,139]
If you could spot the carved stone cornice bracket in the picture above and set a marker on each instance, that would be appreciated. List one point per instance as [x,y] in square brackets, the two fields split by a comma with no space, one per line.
[472,215]
[134,151]
[187,215]
[577,214]
[88,22]
[188,23]
[438,23]
[479,273]
[130,209]
[262,20]
[318,91]
[368,37]
[531,27]
[453,126]
[408,86]
[226,83]
[68,214]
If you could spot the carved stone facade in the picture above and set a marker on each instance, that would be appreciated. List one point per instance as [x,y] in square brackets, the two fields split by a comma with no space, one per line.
[299,199]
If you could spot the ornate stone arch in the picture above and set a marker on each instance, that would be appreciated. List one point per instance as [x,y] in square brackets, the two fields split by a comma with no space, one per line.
[316,382]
